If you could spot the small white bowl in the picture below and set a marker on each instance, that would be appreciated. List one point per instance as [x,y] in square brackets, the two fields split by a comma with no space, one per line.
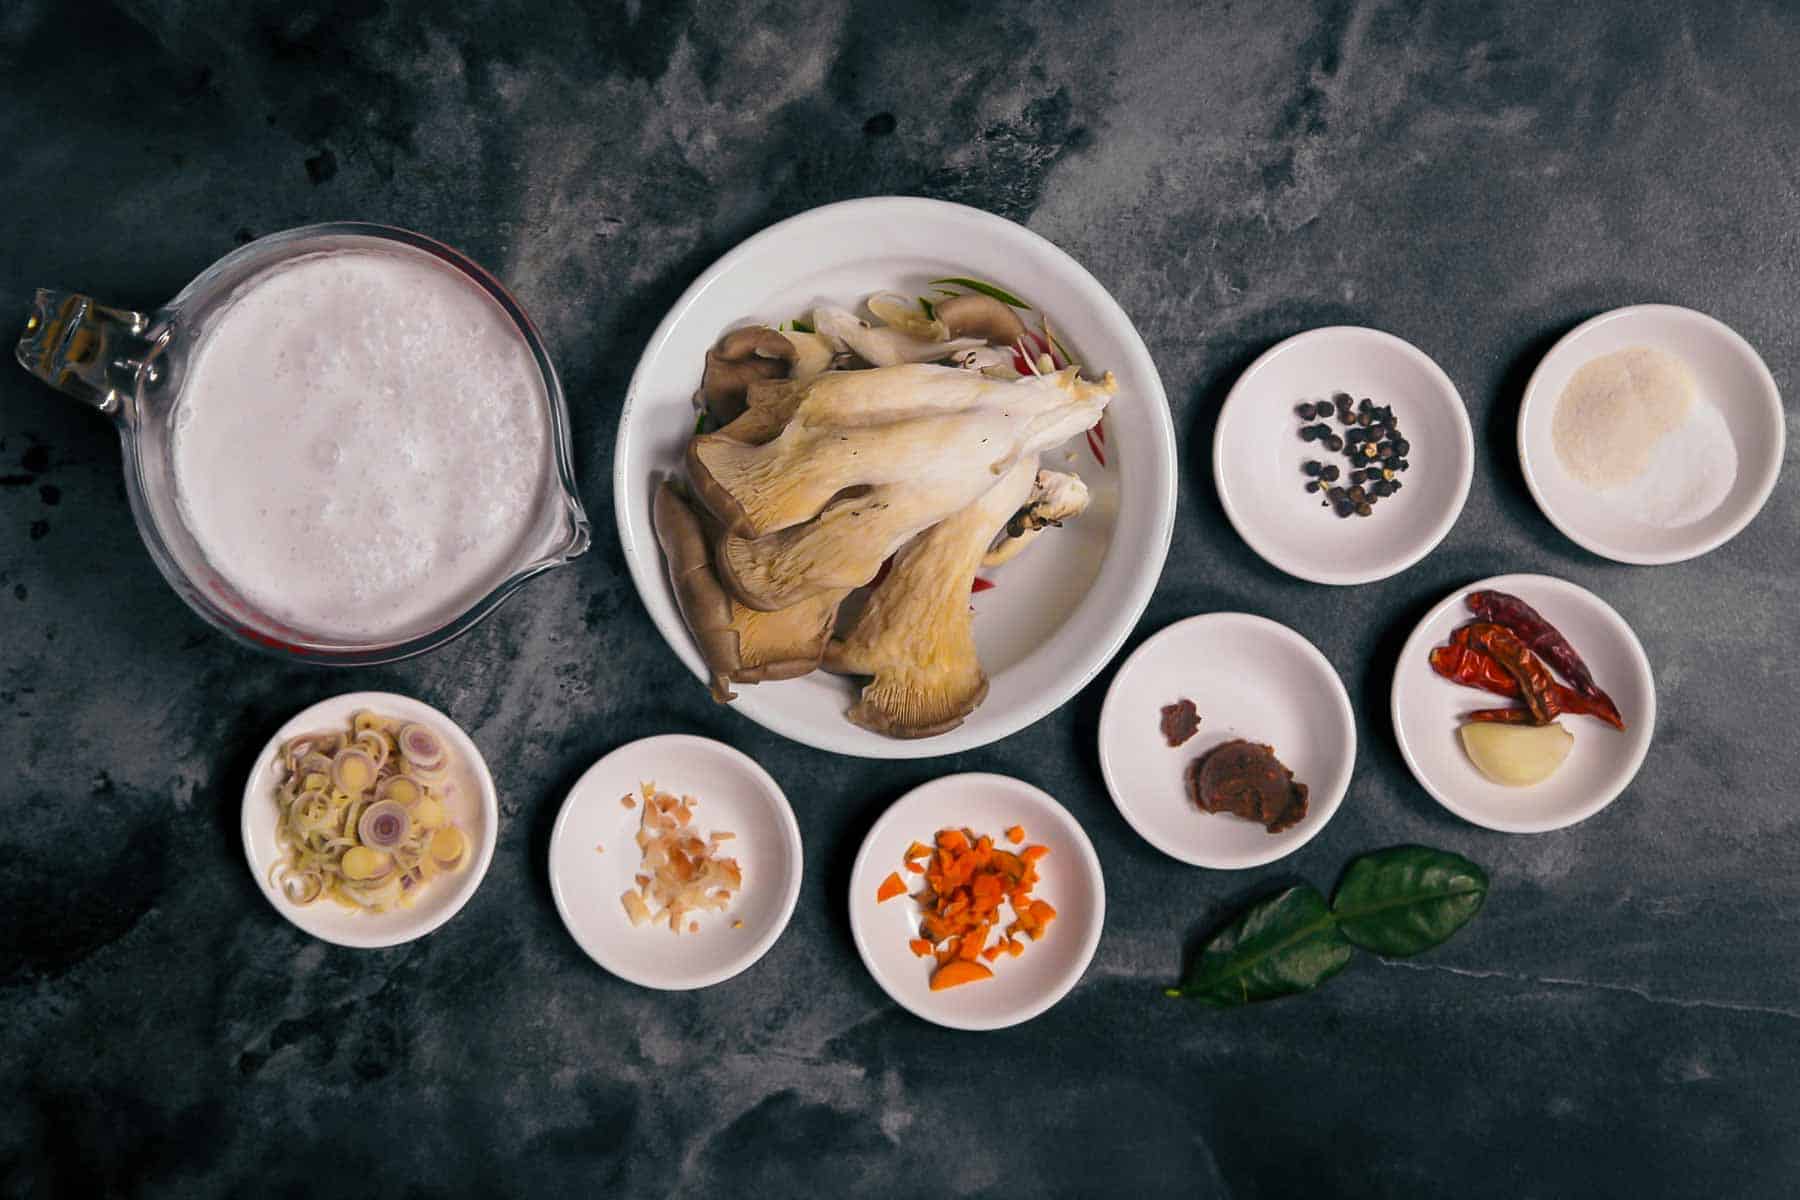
[1427,710]
[473,806]
[1730,376]
[1249,678]
[1257,455]
[1068,879]
[594,855]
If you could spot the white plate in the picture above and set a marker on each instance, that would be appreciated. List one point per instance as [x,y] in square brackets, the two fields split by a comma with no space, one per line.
[1068,880]
[1249,678]
[1061,610]
[1731,378]
[1427,708]
[734,794]
[473,806]
[1257,455]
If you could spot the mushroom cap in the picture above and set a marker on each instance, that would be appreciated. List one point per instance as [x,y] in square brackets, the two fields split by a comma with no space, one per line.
[738,645]
[976,315]
[743,357]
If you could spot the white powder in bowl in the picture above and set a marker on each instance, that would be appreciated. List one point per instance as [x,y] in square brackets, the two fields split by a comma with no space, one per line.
[1691,472]
[1615,409]
[1631,426]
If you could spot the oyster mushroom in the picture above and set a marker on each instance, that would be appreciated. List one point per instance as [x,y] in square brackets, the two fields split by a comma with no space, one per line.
[915,637]
[924,427]
[976,315]
[743,357]
[869,460]
[1056,496]
[884,345]
[738,645]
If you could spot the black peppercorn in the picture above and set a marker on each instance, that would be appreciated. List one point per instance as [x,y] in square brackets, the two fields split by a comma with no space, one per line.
[1383,488]
[1401,445]
[1363,510]
[1328,474]
[1334,443]
[1305,411]
[1398,464]
[1308,433]
[1312,466]
[1312,485]
[1345,508]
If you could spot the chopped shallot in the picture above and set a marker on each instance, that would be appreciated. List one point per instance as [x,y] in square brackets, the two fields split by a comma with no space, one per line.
[682,873]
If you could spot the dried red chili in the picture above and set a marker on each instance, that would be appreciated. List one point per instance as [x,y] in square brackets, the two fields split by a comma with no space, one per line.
[1464,663]
[1533,677]
[1543,638]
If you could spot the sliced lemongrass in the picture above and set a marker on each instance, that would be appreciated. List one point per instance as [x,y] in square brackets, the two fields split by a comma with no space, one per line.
[353,771]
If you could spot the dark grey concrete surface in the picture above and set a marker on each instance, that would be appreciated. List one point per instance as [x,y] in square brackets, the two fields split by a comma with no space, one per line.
[1623,1018]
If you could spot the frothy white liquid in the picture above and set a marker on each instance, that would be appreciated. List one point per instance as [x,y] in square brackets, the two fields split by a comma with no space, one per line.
[362,447]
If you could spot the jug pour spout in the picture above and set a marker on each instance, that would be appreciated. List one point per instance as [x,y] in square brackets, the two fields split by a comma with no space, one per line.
[83,348]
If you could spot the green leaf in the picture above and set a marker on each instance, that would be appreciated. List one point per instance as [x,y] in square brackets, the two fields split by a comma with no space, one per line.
[1401,901]
[700,423]
[925,306]
[800,326]
[1281,946]
[986,289]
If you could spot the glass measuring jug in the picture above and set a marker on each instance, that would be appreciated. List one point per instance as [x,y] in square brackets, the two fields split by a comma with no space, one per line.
[150,372]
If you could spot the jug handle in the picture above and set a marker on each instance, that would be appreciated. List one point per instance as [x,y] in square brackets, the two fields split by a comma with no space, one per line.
[83,348]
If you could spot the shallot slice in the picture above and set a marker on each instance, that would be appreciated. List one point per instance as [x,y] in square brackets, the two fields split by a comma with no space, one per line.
[384,825]
[423,748]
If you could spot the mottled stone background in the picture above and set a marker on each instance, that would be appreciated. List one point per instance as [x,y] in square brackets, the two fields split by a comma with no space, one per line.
[1477,177]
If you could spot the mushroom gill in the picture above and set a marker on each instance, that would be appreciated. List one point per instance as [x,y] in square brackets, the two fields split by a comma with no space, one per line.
[915,638]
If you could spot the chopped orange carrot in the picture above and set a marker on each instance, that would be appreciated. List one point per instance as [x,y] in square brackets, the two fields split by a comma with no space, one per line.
[967,880]
[961,971]
[892,886]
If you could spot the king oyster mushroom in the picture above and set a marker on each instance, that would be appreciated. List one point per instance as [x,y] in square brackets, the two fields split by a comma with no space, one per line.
[743,357]
[915,636]
[869,460]
[1056,496]
[738,645]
